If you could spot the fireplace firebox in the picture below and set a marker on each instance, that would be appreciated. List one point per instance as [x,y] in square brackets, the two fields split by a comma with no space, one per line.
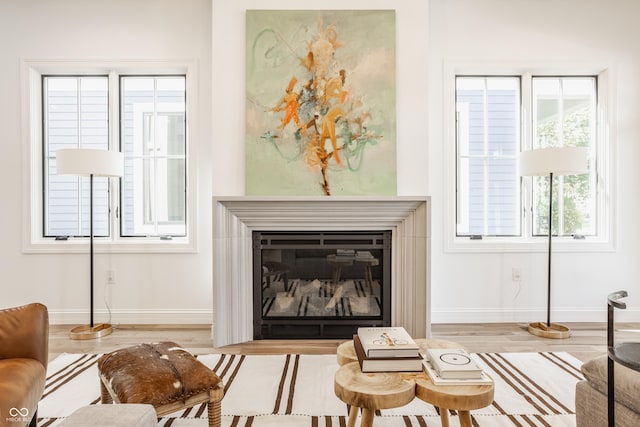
[320,284]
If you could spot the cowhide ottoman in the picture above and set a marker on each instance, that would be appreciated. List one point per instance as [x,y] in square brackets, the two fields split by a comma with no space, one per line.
[160,374]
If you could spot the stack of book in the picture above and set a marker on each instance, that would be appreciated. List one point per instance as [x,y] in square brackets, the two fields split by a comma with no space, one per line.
[387,349]
[345,253]
[453,367]
[364,255]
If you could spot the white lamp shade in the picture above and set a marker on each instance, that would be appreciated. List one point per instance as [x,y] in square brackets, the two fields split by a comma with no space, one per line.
[556,160]
[85,162]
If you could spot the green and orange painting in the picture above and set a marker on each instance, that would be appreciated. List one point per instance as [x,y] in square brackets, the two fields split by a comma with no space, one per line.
[320,110]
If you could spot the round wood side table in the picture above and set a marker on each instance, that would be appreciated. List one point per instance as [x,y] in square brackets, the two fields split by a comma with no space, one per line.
[462,398]
[346,353]
[371,391]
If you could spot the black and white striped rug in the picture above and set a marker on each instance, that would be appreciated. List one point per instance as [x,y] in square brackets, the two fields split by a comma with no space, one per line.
[531,389]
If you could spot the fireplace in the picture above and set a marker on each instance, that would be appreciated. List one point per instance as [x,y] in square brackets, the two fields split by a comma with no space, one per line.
[320,284]
[235,218]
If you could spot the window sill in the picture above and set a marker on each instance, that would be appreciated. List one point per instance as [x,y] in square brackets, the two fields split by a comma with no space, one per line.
[515,245]
[134,245]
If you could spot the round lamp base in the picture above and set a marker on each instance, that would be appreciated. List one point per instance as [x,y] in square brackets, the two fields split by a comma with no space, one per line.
[87,332]
[553,330]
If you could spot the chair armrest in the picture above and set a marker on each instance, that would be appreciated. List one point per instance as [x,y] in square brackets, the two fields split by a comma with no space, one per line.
[24,333]
[614,297]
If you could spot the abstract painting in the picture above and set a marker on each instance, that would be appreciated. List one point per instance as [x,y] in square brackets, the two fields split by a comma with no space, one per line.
[320,107]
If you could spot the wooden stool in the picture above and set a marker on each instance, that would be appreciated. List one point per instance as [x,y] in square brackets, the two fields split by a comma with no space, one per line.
[163,375]
[346,353]
[435,343]
[367,263]
[274,268]
[371,391]
[462,398]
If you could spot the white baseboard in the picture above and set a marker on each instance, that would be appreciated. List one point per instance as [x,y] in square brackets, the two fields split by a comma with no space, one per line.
[133,317]
[471,315]
[481,315]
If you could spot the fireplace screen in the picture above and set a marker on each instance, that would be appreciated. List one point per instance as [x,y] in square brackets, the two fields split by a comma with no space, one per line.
[320,284]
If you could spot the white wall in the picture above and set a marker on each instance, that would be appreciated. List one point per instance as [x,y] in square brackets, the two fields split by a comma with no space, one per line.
[159,288]
[573,33]
[465,287]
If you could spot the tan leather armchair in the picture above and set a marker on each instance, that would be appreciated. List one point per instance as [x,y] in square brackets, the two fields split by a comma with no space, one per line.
[24,348]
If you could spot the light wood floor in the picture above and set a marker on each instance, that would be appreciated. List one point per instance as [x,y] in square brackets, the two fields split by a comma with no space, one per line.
[587,340]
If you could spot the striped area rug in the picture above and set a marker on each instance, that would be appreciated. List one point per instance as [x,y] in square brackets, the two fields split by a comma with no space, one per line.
[531,389]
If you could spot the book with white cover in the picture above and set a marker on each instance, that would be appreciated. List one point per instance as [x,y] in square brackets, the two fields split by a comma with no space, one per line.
[364,255]
[387,364]
[437,380]
[451,363]
[387,342]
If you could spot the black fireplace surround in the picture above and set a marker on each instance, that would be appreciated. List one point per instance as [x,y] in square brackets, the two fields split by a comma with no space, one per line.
[320,284]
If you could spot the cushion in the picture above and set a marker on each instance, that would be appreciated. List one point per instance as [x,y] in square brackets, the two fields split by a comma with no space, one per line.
[157,374]
[591,409]
[21,385]
[112,416]
[627,381]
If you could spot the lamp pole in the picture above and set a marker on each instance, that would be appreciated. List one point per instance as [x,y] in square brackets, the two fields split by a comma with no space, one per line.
[91,248]
[549,251]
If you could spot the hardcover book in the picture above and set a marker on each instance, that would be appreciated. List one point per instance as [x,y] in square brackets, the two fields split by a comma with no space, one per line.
[453,363]
[387,342]
[364,255]
[437,380]
[392,364]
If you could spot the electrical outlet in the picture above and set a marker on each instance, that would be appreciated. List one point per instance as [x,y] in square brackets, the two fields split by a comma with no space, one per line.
[111,277]
[516,274]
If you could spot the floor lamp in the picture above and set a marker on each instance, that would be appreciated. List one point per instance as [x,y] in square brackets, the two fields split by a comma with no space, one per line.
[89,162]
[552,161]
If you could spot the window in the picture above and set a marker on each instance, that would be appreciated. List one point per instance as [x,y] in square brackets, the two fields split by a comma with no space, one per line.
[497,117]
[564,114]
[153,140]
[76,115]
[143,115]
[488,141]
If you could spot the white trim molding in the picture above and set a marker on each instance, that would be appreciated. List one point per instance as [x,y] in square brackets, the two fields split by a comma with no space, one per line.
[235,218]
[133,316]
[32,71]
[606,153]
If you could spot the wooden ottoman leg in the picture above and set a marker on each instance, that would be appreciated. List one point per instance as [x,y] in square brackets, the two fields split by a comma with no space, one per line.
[105,396]
[214,407]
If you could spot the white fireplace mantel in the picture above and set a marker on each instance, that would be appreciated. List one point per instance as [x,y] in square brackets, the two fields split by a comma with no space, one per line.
[235,218]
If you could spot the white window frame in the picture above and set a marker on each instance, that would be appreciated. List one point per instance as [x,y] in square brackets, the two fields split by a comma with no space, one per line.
[31,88]
[605,239]
[139,110]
